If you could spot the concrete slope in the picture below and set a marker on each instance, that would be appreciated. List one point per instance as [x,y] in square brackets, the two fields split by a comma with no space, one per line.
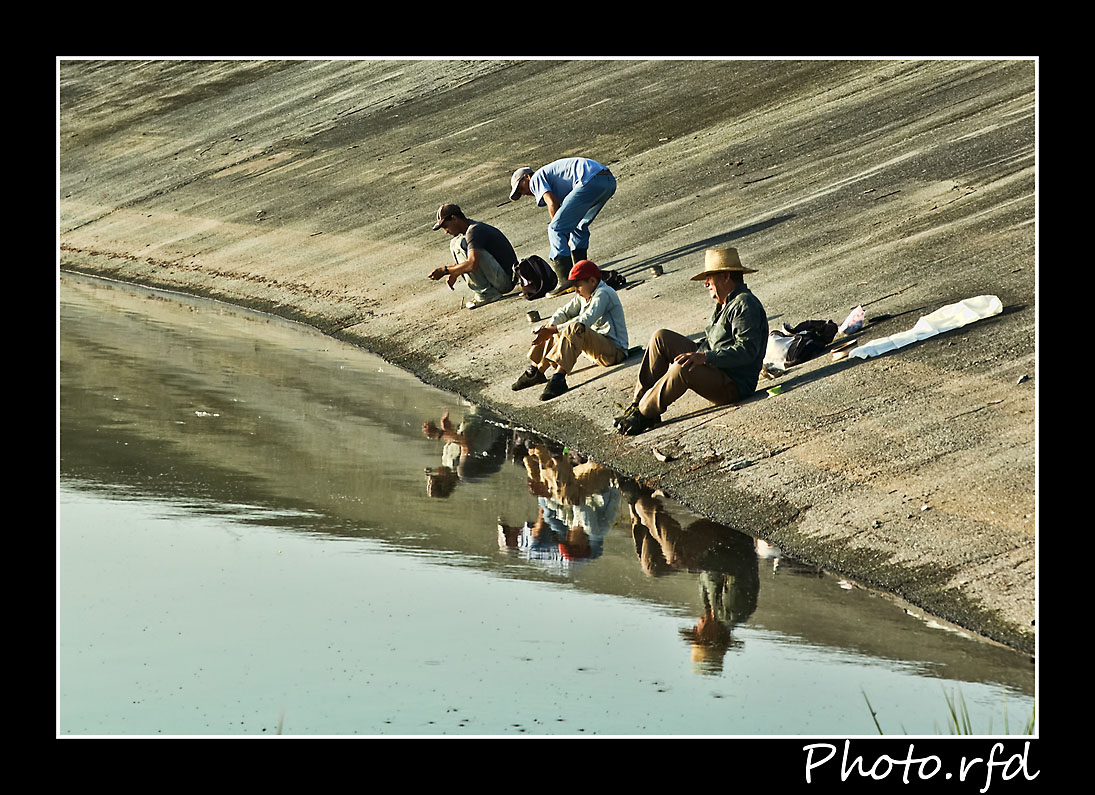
[308,189]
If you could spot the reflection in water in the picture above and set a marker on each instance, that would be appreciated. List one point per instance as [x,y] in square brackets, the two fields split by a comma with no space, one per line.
[725,560]
[472,451]
[272,484]
[577,504]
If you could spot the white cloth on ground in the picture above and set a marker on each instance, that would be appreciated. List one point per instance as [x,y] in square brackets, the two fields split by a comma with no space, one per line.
[941,320]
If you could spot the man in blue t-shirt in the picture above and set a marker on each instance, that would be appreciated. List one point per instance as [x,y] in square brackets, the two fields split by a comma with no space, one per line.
[483,256]
[574,189]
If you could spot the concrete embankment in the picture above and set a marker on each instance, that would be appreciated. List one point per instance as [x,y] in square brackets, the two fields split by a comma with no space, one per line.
[307,189]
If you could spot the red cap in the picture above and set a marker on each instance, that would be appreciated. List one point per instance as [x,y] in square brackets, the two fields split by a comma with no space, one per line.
[583,269]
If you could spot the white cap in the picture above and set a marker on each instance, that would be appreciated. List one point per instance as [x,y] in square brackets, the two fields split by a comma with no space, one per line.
[518,175]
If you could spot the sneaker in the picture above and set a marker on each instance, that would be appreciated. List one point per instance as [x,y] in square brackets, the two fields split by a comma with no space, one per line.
[479,301]
[531,377]
[635,424]
[556,386]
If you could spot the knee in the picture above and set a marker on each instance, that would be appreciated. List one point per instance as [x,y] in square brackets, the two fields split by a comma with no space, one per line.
[560,226]
[573,331]
[659,339]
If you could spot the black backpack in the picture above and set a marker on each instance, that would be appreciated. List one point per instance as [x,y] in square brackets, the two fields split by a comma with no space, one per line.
[614,279]
[791,346]
[535,276]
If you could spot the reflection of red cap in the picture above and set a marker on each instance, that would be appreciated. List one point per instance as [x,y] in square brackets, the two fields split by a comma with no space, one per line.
[583,269]
[574,551]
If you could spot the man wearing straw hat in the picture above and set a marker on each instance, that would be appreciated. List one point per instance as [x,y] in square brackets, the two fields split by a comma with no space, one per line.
[723,367]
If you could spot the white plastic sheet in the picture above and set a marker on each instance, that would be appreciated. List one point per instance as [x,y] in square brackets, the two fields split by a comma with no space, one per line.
[947,318]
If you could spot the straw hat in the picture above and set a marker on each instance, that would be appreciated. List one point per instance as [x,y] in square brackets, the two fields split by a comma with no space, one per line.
[721,260]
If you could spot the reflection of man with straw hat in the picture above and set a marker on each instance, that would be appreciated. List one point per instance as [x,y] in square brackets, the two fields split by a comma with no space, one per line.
[723,367]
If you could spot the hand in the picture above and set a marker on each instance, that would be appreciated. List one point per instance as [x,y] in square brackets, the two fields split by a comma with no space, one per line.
[452,280]
[545,333]
[689,361]
[437,273]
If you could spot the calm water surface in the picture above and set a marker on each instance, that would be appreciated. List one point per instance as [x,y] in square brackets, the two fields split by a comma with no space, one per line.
[263,530]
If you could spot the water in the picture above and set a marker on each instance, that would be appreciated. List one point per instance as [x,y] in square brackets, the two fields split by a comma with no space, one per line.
[258,533]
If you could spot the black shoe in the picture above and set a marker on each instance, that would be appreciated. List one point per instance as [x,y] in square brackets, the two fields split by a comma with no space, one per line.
[635,424]
[556,386]
[627,413]
[531,377]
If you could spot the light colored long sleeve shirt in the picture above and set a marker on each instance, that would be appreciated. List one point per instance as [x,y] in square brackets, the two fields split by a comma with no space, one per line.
[562,176]
[602,313]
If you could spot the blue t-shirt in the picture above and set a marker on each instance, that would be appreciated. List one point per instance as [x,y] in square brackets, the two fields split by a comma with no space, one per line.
[563,176]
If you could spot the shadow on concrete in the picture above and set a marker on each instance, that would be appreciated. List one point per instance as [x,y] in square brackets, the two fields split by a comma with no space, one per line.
[635,357]
[700,246]
[706,411]
[801,379]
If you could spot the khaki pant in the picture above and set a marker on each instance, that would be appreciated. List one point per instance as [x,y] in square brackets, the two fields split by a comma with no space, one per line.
[660,381]
[563,349]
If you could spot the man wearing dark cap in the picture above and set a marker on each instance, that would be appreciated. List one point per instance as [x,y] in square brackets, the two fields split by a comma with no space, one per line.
[723,367]
[574,189]
[483,256]
[591,323]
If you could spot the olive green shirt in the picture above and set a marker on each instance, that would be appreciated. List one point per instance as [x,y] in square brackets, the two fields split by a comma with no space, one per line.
[737,337]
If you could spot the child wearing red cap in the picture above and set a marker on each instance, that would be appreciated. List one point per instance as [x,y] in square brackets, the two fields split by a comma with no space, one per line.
[591,323]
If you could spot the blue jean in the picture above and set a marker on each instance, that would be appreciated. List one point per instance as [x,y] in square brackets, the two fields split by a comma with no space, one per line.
[569,229]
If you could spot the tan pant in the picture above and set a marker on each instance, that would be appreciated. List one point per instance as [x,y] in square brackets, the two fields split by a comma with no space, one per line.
[660,381]
[563,349]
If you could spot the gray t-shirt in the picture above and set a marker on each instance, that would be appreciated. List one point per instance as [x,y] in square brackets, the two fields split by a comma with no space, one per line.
[486,238]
